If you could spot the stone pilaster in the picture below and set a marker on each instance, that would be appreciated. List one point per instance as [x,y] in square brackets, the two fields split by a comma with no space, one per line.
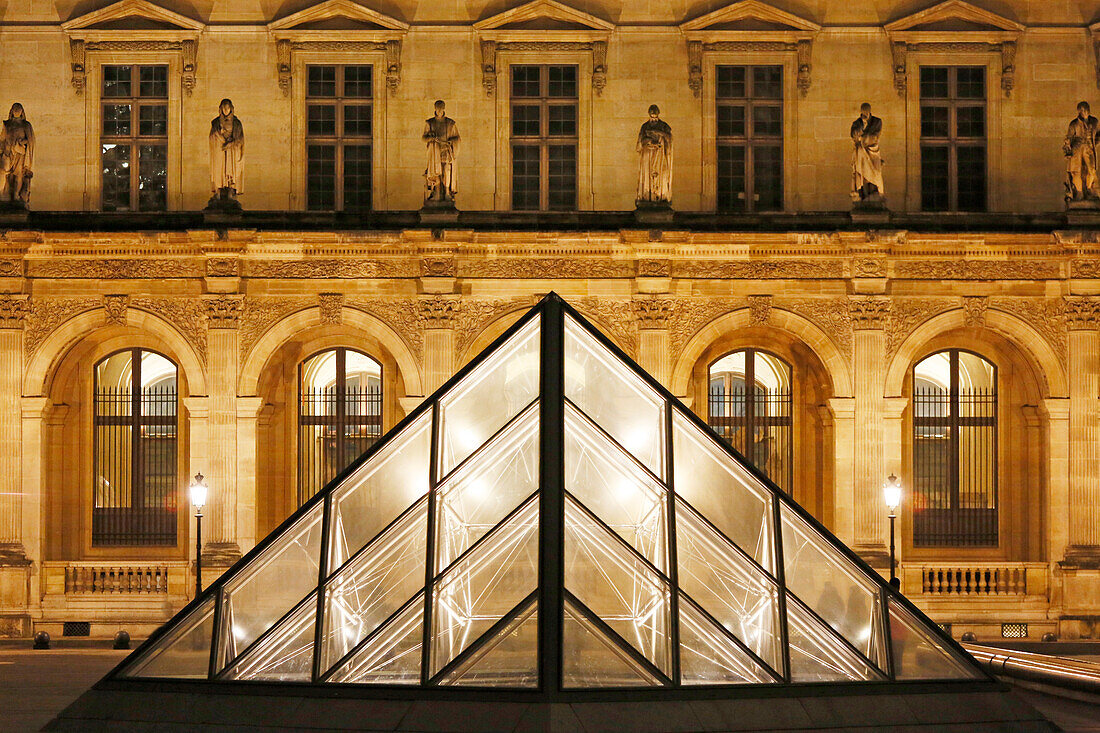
[653,340]
[1057,412]
[221,528]
[12,544]
[248,415]
[843,413]
[437,315]
[869,315]
[1083,314]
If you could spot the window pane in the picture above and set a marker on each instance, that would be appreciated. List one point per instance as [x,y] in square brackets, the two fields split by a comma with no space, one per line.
[391,656]
[525,81]
[321,120]
[591,659]
[563,81]
[509,659]
[971,161]
[153,81]
[934,121]
[970,122]
[767,82]
[766,121]
[768,177]
[321,177]
[709,657]
[934,178]
[934,82]
[563,120]
[284,655]
[731,120]
[730,82]
[525,177]
[525,120]
[731,177]
[153,177]
[562,183]
[817,655]
[153,120]
[357,81]
[488,397]
[918,655]
[116,177]
[614,397]
[116,81]
[357,120]
[322,81]
[184,652]
[116,120]
[970,82]
[357,177]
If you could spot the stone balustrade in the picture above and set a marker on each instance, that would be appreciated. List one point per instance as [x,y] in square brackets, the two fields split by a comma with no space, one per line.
[79,578]
[979,579]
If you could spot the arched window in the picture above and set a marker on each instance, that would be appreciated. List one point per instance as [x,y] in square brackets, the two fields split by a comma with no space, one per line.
[134,499]
[339,414]
[756,421]
[954,451]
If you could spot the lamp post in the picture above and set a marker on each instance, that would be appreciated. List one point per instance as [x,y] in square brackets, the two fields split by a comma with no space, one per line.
[198,500]
[891,491]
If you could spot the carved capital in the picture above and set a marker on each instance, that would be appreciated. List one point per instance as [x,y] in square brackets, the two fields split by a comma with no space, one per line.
[760,308]
[114,309]
[695,67]
[489,67]
[868,312]
[13,310]
[1082,312]
[975,307]
[438,312]
[331,305]
[224,311]
[652,313]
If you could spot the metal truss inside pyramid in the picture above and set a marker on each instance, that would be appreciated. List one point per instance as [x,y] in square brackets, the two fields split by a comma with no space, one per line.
[551,519]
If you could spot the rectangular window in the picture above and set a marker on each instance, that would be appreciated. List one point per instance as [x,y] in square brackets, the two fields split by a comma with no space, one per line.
[544,138]
[953,138]
[749,116]
[339,137]
[134,138]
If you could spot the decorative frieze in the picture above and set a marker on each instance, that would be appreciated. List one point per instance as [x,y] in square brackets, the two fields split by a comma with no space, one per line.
[869,312]
[115,268]
[437,267]
[331,305]
[114,309]
[224,311]
[544,267]
[958,269]
[223,267]
[759,269]
[332,268]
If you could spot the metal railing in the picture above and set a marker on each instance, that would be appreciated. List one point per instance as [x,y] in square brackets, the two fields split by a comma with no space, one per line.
[1055,672]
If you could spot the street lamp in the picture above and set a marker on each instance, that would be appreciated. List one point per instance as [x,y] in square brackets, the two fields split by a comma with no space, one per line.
[891,491]
[198,500]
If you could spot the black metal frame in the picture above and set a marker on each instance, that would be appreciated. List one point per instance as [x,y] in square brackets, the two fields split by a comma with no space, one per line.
[551,595]
[952,142]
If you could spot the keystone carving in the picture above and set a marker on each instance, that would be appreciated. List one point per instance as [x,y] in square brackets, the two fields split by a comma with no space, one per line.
[331,305]
[114,309]
[975,308]
[760,307]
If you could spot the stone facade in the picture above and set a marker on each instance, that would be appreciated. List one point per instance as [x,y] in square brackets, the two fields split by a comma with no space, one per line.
[238,306]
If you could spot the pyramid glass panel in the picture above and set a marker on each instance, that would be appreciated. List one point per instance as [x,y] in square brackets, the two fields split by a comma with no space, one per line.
[818,654]
[184,652]
[486,398]
[379,490]
[723,491]
[494,482]
[591,659]
[709,656]
[831,584]
[509,658]
[918,654]
[614,396]
[485,584]
[728,585]
[616,489]
[391,655]
[273,583]
[375,583]
[624,591]
[285,654]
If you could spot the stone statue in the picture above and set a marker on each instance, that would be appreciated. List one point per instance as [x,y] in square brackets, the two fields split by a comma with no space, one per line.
[1080,150]
[226,155]
[655,163]
[867,185]
[441,137]
[16,158]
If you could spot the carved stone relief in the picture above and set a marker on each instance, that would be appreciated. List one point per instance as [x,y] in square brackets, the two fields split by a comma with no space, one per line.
[224,311]
[330,305]
[187,315]
[13,311]
[831,315]
[906,314]
[1047,316]
[114,309]
[47,314]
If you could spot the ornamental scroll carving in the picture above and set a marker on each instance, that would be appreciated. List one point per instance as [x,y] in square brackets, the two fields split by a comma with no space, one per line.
[759,269]
[760,307]
[974,308]
[831,315]
[652,313]
[114,309]
[688,315]
[615,318]
[803,50]
[332,268]
[491,49]
[260,314]
[47,314]
[476,315]
[1045,315]
[544,267]
[284,49]
[331,305]
[224,311]
[115,269]
[400,314]
[187,48]
[906,314]
[438,312]
[979,270]
[187,315]
[13,311]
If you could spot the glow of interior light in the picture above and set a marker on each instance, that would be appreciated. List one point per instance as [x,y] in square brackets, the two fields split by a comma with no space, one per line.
[239,633]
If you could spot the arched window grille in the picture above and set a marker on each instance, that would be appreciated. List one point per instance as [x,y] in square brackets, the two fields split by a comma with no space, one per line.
[339,414]
[756,421]
[135,424]
[954,451]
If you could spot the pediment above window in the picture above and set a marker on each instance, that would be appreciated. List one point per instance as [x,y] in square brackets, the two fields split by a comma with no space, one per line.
[543,25]
[133,26]
[338,25]
[954,27]
[747,26]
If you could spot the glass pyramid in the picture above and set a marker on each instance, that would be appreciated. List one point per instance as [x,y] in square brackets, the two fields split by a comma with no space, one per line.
[550,520]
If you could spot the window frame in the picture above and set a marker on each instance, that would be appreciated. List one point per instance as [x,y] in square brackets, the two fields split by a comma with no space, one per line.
[789,98]
[93,116]
[749,140]
[301,59]
[953,142]
[544,141]
[339,140]
[996,186]
[135,140]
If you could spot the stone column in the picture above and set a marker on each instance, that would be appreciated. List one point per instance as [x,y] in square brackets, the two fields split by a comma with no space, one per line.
[20,580]
[1082,315]
[1057,411]
[248,414]
[437,315]
[220,529]
[198,459]
[652,317]
[869,315]
[843,411]
[12,543]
